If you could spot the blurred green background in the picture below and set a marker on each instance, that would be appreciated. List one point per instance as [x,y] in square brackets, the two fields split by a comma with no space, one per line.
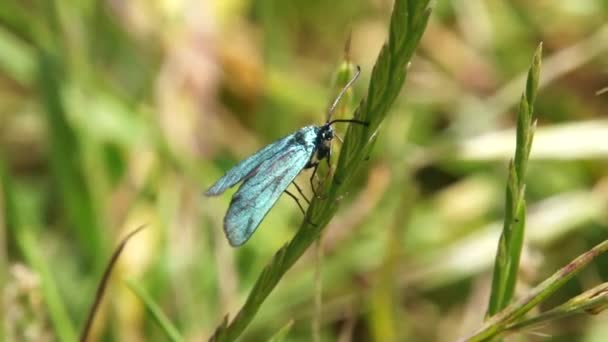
[115,114]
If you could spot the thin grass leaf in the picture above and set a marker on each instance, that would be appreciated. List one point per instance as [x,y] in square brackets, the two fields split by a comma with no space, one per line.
[590,302]
[56,305]
[408,22]
[500,321]
[344,74]
[7,221]
[104,282]
[387,321]
[506,266]
[164,323]
[281,335]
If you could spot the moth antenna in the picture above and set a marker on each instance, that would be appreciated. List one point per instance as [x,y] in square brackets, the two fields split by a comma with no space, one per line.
[363,123]
[342,92]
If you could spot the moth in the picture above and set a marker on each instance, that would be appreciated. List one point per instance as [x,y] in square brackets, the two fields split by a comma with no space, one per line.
[266,174]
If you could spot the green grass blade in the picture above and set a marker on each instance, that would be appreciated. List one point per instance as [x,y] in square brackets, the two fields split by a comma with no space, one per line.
[510,245]
[160,318]
[7,221]
[281,335]
[387,320]
[408,22]
[345,72]
[57,311]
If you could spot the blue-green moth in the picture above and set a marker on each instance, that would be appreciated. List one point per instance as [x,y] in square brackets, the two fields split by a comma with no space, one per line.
[267,173]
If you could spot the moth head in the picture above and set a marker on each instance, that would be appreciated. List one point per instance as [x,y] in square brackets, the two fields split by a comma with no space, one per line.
[327,134]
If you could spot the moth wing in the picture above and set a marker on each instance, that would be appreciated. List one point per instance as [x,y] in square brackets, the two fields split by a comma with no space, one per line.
[245,168]
[259,193]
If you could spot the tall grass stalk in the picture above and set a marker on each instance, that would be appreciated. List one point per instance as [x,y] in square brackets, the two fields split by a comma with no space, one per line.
[506,266]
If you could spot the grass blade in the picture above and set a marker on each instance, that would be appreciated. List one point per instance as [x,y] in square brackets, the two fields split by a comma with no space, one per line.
[159,317]
[506,266]
[281,335]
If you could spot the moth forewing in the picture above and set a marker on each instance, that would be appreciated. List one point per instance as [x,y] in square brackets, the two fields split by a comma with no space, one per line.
[260,192]
[247,166]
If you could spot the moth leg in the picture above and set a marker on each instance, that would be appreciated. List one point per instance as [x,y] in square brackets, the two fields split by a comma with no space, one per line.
[300,205]
[301,192]
[314,165]
[297,201]
[328,161]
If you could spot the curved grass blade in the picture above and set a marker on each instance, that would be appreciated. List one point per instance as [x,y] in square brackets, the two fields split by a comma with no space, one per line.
[104,282]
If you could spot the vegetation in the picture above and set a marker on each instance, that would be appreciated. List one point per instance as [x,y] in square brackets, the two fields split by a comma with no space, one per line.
[118,115]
